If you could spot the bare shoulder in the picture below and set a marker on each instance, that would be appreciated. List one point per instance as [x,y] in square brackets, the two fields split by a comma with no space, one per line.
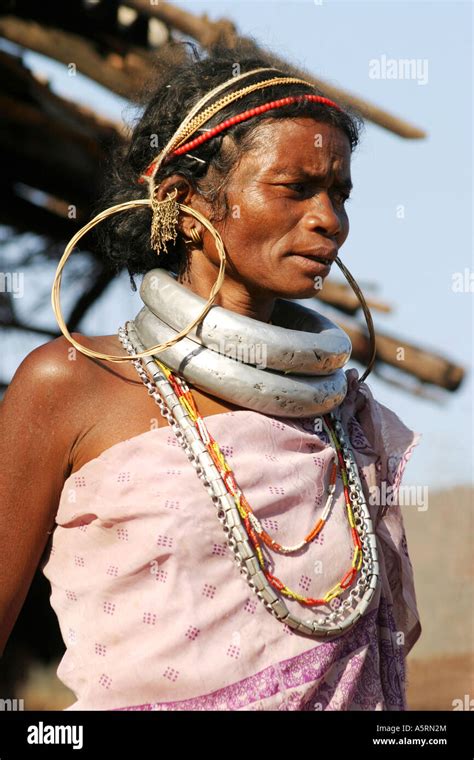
[42,373]
[56,387]
[58,362]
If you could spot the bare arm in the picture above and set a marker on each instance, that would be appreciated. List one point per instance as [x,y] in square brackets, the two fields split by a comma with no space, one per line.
[38,424]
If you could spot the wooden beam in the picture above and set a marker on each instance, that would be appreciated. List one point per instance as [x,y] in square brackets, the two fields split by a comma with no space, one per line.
[46,154]
[208,32]
[25,216]
[426,366]
[67,48]
[205,31]
[48,142]
[342,297]
[26,85]
[123,74]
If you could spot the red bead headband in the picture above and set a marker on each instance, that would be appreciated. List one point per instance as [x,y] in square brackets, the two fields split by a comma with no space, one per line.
[236,120]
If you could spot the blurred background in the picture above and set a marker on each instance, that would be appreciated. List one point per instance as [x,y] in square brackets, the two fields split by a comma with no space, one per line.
[71,76]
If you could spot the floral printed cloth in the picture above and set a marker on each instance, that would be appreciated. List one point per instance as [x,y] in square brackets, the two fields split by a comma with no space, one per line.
[153,610]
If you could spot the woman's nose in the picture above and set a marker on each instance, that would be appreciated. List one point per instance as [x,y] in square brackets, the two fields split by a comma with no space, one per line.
[321,216]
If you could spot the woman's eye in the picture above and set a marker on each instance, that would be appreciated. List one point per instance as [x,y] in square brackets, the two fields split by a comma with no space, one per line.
[299,187]
[340,196]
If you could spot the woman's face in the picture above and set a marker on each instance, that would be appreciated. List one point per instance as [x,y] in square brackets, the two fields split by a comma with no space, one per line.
[286,198]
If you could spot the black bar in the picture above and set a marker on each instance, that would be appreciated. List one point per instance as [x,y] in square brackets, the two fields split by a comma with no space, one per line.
[355,734]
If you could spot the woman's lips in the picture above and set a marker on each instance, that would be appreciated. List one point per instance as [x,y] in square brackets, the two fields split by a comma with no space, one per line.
[310,264]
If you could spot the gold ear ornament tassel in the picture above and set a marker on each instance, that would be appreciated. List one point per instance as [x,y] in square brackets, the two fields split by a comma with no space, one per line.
[164,224]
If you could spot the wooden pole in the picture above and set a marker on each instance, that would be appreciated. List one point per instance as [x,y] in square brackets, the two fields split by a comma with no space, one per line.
[125,75]
[342,297]
[208,32]
[427,366]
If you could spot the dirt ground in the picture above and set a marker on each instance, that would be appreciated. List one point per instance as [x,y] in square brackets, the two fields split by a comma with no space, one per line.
[434,684]
[440,543]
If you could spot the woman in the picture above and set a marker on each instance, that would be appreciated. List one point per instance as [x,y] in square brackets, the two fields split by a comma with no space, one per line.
[266,589]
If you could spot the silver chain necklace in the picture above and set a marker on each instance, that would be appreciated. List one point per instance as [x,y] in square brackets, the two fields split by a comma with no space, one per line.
[346,613]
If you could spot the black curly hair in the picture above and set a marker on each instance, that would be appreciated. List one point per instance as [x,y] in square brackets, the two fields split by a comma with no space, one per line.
[124,239]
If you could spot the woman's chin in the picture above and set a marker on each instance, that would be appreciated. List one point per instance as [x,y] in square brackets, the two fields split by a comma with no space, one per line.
[310,290]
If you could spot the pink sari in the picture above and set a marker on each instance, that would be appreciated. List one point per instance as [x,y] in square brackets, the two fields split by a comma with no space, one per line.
[153,610]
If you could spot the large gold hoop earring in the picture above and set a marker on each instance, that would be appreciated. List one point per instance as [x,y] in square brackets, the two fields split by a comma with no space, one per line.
[367,314]
[119,207]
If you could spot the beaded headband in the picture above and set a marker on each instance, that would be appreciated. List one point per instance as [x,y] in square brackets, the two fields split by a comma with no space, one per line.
[235,120]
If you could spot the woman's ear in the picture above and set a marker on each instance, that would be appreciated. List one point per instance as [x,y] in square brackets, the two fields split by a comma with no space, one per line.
[187,225]
[191,229]
[182,185]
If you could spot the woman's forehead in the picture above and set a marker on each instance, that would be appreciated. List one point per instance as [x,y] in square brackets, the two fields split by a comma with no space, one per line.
[304,143]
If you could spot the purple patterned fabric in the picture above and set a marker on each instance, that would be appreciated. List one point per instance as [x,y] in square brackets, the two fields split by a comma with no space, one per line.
[153,610]
[357,680]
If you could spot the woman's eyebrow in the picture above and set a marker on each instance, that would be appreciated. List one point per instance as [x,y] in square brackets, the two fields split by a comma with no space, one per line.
[285,173]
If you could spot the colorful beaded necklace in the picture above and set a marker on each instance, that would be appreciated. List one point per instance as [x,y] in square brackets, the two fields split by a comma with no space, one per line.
[253,527]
